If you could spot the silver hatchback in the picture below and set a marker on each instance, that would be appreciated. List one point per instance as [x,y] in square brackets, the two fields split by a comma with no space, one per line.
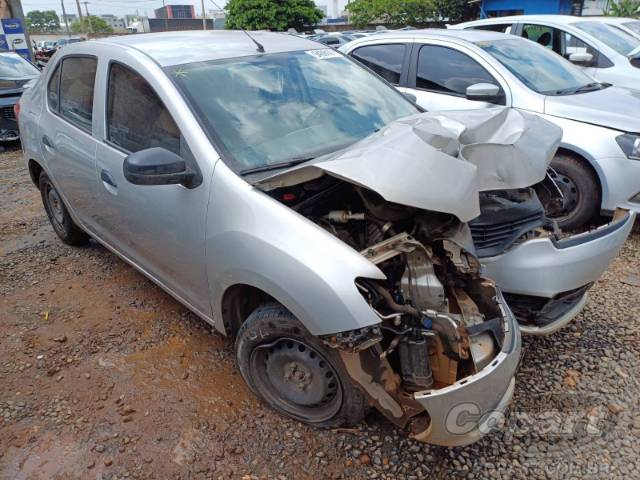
[320,223]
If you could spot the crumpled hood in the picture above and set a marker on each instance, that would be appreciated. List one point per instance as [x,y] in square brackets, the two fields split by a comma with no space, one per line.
[612,107]
[440,161]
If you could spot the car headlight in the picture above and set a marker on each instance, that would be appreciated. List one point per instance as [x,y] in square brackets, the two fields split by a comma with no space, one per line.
[630,145]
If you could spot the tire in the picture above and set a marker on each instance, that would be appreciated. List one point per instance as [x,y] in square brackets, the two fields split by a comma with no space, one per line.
[293,372]
[580,190]
[61,221]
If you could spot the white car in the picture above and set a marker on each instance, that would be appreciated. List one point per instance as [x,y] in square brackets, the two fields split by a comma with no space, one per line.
[458,70]
[606,53]
[630,26]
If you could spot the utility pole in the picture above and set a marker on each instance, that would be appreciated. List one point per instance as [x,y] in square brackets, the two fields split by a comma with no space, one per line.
[66,20]
[204,17]
[86,9]
[166,16]
[80,17]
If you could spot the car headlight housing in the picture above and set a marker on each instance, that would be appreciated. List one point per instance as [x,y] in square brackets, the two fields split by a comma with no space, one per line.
[630,145]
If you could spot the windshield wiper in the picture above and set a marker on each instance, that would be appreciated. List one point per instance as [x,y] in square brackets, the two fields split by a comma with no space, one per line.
[275,166]
[584,88]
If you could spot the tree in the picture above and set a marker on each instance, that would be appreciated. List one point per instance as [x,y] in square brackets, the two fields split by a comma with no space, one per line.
[394,12]
[450,10]
[271,14]
[624,8]
[98,25]
[42,21]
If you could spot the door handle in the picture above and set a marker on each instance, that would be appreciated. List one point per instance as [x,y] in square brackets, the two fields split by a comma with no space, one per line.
[107,178]
[46,141]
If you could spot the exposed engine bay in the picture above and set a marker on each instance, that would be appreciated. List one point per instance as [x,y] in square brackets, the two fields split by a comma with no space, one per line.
[440,322]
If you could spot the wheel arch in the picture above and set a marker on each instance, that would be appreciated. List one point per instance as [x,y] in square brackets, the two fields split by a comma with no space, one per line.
[238,302]
[35,169]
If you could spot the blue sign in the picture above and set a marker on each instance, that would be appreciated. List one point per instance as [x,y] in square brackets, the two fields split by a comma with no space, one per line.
[12,25]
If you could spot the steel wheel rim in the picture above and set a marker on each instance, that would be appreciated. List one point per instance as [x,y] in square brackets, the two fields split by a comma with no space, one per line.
[296,379]
[570,194]
[55,205]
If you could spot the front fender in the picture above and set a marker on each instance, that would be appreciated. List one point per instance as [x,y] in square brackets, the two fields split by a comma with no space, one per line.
[253,239]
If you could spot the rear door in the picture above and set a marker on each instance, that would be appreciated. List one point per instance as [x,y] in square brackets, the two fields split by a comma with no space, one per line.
[439,76]
[65,133]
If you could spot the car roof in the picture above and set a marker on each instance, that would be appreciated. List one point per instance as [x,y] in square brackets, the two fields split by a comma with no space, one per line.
[616,20]
[175,48]
[556,19]
[471,36]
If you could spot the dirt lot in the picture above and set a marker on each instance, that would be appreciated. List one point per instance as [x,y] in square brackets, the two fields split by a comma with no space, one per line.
[102,375]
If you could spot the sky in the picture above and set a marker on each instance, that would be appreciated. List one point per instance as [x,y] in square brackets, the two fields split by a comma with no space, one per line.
[123,7]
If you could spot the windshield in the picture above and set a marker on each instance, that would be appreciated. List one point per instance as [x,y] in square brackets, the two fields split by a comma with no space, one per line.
[14,66]
[634,26]
[537,67]
[274,108]
[621,42]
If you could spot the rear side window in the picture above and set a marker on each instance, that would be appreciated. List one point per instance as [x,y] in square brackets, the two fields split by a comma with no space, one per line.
[136,117]
[77,78]
[52,90]
[445,70]
[385,60]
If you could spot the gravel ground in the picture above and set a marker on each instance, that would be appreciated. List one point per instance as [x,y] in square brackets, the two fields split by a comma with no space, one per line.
[104,376]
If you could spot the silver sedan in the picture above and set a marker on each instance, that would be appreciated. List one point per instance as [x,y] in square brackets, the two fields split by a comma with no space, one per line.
[282,207]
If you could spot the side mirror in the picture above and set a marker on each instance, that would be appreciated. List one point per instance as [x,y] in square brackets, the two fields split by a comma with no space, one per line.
[410,96]
[581,58]
[483,92]
[158,166]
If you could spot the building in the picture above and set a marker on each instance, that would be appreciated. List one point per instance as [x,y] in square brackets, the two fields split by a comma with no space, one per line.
[117,24]
[595,7]
[502,8]
[176,11]
[68,19]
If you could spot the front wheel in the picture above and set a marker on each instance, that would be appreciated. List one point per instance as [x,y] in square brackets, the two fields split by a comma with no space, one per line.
[294,372]
[577,197]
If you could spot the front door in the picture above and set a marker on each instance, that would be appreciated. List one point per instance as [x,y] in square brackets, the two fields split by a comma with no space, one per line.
[65,133]
[158,227]
[439,77]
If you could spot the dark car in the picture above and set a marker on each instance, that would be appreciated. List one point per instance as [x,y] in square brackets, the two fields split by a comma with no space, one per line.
[15,71]
[335,41]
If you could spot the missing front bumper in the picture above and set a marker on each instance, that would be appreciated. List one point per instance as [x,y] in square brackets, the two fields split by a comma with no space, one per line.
[472,407]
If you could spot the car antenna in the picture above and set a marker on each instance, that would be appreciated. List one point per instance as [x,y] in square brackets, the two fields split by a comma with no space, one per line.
[258,44]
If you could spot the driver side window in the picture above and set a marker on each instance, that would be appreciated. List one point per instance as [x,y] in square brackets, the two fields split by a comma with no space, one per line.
[448,71]
[136,117]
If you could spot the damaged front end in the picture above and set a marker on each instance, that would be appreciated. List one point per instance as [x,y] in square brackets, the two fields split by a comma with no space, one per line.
[444,336]
[442,359]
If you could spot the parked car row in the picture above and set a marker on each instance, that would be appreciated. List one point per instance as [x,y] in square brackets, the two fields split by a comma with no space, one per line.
[594,168]
[45,49]
[355,245]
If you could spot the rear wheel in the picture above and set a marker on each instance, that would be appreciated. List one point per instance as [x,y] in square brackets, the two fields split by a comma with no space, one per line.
[294,372]
[578,200]
[61,221]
